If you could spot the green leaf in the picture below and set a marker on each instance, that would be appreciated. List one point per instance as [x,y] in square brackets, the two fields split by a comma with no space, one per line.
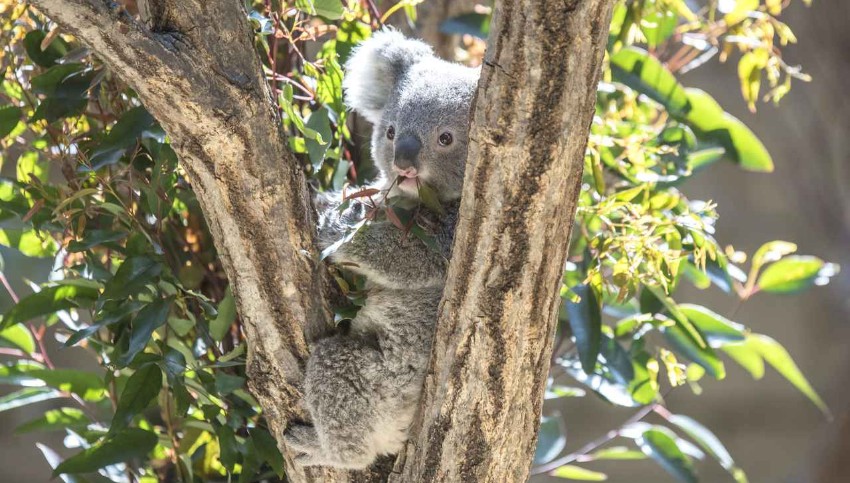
[64,88]
[637,69]
[678,315]
[550,440]
[227,446]
[779,358]
[47,57]
[10,116]
[430,199]
[129,444]
[105,319]
[716,329]
[790,274]
[226,384]
[94,238]
[661,446]
[684,344]
[712,123]
[17,373]
[330,9]
[771,252]
[319,122]
[709,442]
[47,301]
[26,396]
[56,419]
[698,160]
[20,337]
[142,388]
[557,391]
[617,361]
[87,385]
[572,472]
[123,135]
[266,448]
[748,356]
[658,26]
[150,318]
[132,275]
[220,326]
[585,318]
[618,453]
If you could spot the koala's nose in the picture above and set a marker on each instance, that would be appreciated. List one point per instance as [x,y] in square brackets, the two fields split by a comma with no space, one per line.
[406,151]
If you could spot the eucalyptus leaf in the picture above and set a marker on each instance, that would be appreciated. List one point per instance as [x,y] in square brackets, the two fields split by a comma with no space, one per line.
[149,318]
[19,336]
[87,385]
[142,388]
[10,116]
[779,358]
[709,442]
[661,446]
[47,301]
[791,274]
[220,325]
[577,473]
[551,439]
[126,445]
[56,419]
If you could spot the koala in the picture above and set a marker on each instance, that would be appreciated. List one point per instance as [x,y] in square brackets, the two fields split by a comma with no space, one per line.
[363,386]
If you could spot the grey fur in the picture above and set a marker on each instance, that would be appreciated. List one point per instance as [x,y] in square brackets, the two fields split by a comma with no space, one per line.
[362,387]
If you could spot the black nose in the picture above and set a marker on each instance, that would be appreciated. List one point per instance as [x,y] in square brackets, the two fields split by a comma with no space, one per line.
[406,151]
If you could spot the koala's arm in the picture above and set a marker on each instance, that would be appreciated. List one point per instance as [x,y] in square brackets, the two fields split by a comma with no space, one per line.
[386,255]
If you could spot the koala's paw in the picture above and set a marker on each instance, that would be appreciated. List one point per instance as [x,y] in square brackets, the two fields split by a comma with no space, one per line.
[305,441]
[354,213]
[336,224]
[302,438]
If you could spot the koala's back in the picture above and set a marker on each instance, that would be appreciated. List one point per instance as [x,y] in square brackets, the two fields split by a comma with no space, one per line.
[363,386]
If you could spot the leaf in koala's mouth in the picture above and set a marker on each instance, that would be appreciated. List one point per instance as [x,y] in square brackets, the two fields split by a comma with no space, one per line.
[430,199]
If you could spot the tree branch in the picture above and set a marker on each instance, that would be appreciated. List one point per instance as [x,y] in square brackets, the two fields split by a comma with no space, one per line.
[484,390]
[197,72]
[193,65]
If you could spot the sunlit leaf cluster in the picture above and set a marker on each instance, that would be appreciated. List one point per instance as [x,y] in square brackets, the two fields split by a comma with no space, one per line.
[91,186]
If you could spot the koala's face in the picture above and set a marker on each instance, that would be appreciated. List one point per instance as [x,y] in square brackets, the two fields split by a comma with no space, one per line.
[422,136]
[419,106]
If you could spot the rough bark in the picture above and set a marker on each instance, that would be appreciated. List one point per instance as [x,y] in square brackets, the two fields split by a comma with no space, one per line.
[193,65]
[535,102]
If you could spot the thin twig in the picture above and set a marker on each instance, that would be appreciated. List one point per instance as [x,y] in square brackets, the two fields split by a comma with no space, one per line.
[605,438]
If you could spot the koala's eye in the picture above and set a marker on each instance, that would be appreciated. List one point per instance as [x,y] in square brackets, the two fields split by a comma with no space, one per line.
[445,139]
[390,133]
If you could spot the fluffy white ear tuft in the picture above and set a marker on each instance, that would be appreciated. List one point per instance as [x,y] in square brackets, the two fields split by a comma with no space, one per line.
[374,68]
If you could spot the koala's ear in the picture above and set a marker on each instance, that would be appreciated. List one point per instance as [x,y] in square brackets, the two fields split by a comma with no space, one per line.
[375,67]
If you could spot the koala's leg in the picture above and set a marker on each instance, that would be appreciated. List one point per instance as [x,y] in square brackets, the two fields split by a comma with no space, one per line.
[340,391]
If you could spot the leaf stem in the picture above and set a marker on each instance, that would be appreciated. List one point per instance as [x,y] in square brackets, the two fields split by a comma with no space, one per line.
[596,443]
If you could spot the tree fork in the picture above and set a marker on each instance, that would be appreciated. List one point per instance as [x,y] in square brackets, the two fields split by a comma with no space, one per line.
[194,67]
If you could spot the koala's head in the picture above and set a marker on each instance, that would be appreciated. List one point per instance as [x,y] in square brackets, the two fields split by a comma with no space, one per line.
[419,106]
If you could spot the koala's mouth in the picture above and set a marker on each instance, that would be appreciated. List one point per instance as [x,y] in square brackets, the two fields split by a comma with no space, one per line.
[409,184]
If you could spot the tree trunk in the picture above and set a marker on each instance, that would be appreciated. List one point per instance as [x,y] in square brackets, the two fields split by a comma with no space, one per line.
[194,67]
[535,102]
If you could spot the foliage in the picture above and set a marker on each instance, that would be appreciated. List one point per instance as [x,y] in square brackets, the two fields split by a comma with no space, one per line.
[90,182]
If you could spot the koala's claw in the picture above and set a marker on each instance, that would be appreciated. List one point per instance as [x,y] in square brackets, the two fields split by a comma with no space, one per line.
[302,438]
